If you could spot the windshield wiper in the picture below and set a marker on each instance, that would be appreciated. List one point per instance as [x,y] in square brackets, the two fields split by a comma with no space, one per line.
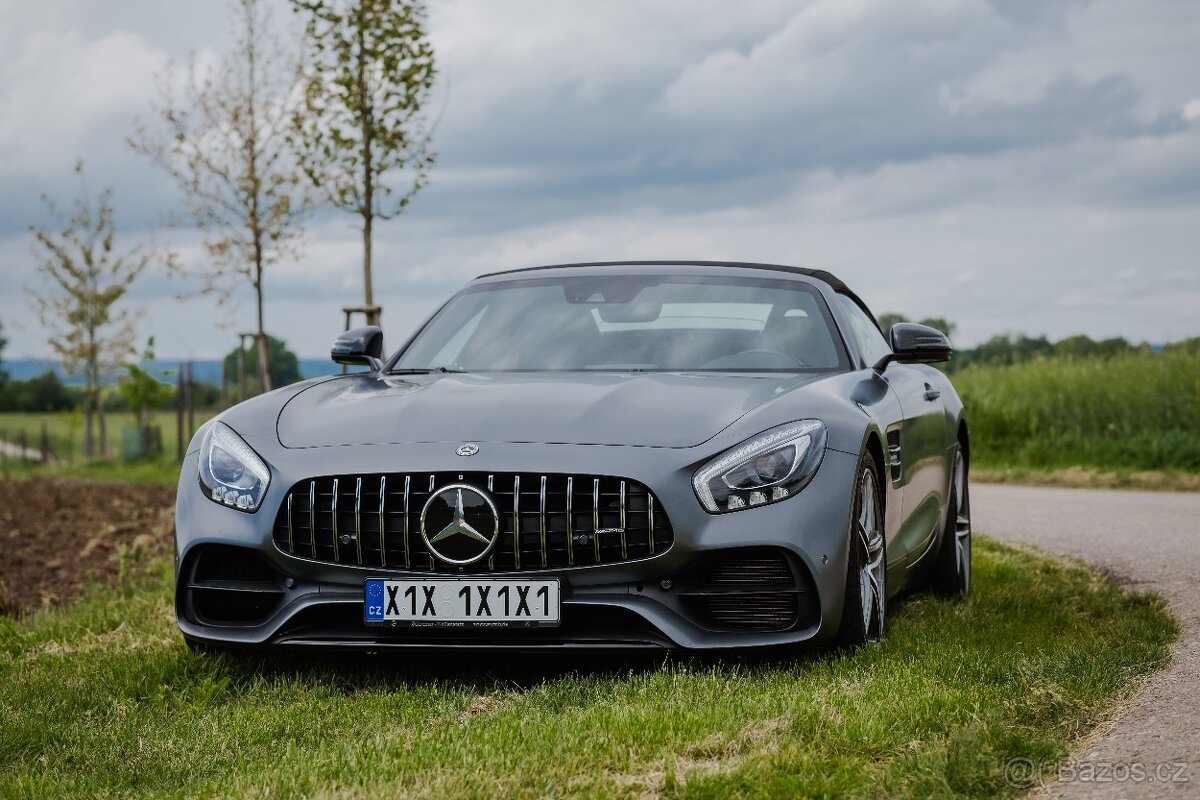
[426,371]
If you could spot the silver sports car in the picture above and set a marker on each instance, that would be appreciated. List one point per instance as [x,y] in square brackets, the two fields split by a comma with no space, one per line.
[687,455]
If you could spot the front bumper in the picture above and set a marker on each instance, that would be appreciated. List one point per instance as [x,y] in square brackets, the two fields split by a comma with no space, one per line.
[650,603]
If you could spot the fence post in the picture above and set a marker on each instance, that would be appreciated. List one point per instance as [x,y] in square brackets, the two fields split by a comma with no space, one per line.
[179,413]
[241,370]
[191,402]
[45,443]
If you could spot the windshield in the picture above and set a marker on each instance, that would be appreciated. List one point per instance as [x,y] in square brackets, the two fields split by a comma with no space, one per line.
[629,323]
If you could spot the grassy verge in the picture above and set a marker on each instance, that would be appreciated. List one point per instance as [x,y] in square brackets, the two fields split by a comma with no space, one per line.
[153,471]
[1084,478]
[104,699]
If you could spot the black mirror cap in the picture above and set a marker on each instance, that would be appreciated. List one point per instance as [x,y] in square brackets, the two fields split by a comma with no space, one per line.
[919,344]
[359,346]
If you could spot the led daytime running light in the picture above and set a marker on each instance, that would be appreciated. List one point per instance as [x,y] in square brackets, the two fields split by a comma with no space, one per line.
[800,435]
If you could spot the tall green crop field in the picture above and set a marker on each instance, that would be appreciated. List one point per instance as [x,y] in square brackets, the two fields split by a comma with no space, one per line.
[1139,411]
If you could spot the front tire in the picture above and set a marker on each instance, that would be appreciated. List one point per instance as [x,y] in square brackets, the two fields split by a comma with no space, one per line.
[864,610]
[952,570]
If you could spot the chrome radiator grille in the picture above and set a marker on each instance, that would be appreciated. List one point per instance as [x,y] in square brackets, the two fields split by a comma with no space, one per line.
[546,521]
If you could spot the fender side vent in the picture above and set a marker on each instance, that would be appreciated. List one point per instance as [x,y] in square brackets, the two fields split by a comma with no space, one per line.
[895,463]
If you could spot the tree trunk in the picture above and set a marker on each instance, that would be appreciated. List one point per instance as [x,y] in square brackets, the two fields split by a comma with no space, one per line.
[264,363]
[179,443]
[366,120]
[369,294]
[103,426]
[241,368]
[144,425]
[88,436]
[189,393]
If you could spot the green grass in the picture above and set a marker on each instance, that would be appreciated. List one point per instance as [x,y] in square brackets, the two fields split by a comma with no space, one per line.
[65,429]
[104,699]
[1128,413]
[157,471]
[1085,478]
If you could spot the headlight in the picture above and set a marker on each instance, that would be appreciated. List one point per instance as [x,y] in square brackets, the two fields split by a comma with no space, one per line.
[230,472]
[770,467]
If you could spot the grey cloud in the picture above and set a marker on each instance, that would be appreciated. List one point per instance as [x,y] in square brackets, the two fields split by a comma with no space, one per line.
[1025,143]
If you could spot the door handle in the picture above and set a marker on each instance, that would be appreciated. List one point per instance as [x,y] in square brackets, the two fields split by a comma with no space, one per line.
[931,393]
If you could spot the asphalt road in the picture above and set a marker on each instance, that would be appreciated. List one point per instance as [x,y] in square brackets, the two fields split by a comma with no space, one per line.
[1150,542]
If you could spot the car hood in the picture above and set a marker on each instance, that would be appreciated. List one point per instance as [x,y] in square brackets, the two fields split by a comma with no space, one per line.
[651,410]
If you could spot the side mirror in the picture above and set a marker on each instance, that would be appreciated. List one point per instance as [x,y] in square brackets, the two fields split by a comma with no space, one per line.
[359,346]
[916,344]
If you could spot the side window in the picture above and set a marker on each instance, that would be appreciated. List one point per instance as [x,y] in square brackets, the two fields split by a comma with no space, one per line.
[870,341]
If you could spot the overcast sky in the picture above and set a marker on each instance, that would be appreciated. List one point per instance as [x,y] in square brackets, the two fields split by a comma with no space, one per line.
[1031,165]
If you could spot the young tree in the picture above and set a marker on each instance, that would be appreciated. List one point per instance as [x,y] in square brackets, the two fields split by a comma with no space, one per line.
[224,140]
[85,277]
[362,132]
[141,390]
[3,344]
[285,367]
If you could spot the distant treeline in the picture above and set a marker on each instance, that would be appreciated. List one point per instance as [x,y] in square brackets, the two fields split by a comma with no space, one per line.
[1006,350]
[46,393]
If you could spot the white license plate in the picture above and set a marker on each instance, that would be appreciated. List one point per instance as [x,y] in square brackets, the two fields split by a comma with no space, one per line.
[461,602]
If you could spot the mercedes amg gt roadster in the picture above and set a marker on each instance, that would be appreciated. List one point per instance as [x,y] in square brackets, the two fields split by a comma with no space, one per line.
[687,455]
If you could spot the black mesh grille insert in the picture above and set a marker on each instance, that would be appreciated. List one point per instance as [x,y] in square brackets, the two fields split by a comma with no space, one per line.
[754,588]
[546,521]
[743,610]
[770,570]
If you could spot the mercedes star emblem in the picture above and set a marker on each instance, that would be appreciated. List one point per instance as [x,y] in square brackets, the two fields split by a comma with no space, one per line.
[468,449]
[460,524]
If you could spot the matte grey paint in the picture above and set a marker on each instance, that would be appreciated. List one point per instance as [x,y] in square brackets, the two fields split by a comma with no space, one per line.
[653,428]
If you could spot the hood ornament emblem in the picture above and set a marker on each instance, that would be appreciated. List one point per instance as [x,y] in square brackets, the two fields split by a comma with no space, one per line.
[468,449]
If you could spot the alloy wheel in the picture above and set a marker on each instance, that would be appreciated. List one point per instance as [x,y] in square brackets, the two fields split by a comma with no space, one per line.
[962,525]
[868,531]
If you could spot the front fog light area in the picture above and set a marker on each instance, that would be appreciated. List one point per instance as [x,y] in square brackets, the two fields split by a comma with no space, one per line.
[230,472]
[771,467]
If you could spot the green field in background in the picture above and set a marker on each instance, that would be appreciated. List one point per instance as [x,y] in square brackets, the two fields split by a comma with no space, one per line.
[65,429]
[1130,412]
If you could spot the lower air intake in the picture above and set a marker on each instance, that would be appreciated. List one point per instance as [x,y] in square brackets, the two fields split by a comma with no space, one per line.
[773,611]
[749,589]
[230,586]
